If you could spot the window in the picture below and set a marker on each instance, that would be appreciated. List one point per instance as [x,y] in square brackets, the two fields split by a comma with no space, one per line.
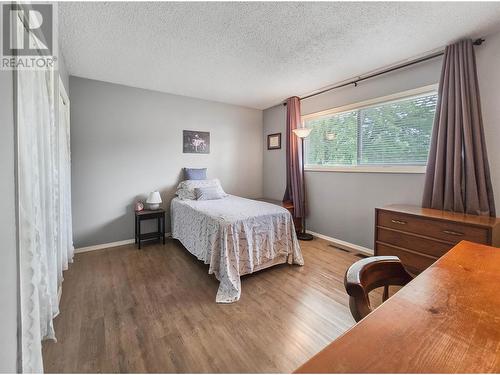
[387,134]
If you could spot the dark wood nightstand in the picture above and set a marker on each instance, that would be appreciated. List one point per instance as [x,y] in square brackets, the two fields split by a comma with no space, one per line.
[289,206]
[159,215]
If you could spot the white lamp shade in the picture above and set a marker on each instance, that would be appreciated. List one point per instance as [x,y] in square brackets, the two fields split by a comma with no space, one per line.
[302,132]
[154,198]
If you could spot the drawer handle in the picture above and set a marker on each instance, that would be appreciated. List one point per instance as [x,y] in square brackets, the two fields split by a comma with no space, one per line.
[453,233]
[399,222]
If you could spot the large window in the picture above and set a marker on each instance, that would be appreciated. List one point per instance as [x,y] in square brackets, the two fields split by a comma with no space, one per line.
[386,134]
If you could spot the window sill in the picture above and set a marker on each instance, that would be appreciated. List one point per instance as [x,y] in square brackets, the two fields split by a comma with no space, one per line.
[414,169]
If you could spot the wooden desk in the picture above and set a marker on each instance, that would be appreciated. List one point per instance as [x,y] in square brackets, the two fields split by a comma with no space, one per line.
[446,320]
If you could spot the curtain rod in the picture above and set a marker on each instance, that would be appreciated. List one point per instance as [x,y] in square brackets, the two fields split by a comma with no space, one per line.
[354,82]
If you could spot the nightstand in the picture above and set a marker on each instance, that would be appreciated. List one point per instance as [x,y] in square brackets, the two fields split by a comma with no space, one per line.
[159,215]
[289,206]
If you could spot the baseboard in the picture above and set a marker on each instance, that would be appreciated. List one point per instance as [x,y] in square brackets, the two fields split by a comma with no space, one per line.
[104,246]
[343,244]
[108,245]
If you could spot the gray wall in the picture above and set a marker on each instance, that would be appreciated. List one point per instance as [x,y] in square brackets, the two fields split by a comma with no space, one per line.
[341,204]
[126,142]
[275,160]
[488,60]
[8,249]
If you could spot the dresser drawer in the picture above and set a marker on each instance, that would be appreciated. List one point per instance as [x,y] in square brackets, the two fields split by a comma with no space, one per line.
[412,242]
[414,262]
[448,231]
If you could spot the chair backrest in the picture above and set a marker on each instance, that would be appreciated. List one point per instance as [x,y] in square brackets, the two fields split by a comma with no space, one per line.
[368,274]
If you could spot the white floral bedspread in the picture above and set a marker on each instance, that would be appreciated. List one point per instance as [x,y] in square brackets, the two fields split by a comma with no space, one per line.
[235,236]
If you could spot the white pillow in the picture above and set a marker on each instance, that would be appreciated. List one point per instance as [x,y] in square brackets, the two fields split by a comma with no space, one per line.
[185,190]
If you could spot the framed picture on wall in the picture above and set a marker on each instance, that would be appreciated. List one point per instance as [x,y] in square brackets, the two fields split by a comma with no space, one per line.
[195,142]
[274,141]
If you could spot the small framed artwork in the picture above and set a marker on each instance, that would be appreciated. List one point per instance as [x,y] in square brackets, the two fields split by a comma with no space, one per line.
[195,142]
[274,141]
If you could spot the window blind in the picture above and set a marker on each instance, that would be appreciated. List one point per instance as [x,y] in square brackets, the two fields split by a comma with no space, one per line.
[396,132]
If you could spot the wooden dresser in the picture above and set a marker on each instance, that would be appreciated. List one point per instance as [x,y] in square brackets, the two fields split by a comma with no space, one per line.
[419,236]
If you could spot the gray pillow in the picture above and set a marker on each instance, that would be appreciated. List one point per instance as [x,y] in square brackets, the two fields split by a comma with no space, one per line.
[207,193]
[195,173]
[185,189]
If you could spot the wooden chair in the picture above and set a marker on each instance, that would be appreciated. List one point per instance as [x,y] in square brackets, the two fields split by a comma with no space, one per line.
[370,273]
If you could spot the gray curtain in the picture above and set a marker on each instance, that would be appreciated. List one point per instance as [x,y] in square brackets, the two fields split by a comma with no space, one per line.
[294,176]
[458,174]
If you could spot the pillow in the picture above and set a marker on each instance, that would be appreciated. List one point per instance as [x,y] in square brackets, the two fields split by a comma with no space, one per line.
[185,194]
[195,173]
[185,190]
[207,193]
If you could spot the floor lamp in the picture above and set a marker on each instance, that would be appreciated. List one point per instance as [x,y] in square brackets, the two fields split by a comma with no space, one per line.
[303,133]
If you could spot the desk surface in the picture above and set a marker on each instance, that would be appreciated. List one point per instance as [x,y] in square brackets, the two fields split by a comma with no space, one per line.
[446,320]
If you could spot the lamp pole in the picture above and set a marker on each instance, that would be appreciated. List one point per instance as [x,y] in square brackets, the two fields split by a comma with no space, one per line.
[303,235]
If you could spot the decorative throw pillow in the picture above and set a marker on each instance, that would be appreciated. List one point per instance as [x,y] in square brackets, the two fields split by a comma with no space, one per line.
[207,193]
[185,190]
[185,194]
[195,173]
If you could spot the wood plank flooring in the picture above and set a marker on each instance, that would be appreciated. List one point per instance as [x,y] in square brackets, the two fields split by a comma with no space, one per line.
[154,310]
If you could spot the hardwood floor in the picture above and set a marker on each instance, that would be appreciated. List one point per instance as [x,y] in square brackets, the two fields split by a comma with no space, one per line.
[154,310]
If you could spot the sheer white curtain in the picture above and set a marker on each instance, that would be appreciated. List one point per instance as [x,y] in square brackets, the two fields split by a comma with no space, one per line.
[65,213]
[45,238]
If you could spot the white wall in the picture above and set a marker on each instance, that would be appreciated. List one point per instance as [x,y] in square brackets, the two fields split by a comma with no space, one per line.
[341,205]
[8,249]
[126,142]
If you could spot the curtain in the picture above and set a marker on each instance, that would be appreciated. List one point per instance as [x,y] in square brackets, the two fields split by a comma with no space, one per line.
[458,175]
[65,212]
[294,161]
[45,240]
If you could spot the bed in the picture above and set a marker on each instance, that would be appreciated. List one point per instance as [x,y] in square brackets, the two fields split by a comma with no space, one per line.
[235,236]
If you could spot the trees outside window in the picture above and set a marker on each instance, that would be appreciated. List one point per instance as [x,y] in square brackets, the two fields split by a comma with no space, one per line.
[396,132]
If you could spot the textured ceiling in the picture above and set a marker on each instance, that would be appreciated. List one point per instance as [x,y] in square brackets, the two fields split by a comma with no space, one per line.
[255,54]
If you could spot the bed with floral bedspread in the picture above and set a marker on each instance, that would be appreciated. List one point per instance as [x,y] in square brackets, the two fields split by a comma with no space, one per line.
[235,236]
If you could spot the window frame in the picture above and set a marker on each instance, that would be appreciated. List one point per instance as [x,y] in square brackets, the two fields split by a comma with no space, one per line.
[416,169]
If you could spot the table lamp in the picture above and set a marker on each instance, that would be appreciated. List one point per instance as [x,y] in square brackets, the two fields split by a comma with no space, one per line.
[154,200]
